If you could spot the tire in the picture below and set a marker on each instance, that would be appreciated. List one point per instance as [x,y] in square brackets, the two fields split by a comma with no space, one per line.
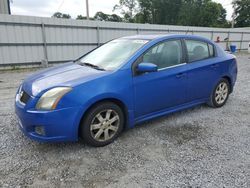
[220,94]
[102,124]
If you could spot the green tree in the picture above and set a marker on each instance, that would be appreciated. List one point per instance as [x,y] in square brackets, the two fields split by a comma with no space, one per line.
[145,14]
[222,19]
[179,12]
[107,17]
[166,12]
[158,11]
[209,14]
[81,17]
[128,9]
[61,15]
[242,13]
[204,13]
[191,13]
[114,18]
[101,16]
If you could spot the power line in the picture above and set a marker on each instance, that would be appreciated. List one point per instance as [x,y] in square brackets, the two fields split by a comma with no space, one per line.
[60,6]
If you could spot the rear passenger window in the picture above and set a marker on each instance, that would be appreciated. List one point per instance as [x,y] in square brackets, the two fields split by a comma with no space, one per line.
[198,50]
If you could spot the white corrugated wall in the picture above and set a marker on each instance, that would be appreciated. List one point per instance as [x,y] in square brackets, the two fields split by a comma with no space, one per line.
[26,40]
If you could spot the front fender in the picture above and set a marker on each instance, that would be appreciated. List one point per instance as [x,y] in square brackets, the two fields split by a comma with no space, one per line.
[113,87]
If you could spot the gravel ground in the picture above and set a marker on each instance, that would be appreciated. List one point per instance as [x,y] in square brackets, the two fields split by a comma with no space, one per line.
[199,147]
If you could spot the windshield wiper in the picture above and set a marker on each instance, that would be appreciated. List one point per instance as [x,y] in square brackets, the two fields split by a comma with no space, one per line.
[91,65]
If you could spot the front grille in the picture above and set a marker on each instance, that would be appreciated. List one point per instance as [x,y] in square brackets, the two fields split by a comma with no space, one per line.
[24,97]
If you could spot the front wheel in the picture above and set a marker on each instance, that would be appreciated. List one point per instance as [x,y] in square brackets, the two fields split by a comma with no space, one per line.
[220,94]
[102,124]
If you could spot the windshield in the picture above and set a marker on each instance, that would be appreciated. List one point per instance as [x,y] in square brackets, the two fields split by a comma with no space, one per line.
[112,54]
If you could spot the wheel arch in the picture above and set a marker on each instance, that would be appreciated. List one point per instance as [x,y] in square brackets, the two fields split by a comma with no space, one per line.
[116,101]
[229,81]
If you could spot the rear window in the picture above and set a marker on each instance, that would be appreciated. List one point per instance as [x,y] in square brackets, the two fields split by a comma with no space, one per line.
[198,50]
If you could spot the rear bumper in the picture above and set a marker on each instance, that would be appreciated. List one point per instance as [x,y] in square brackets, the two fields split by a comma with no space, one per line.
[57,125]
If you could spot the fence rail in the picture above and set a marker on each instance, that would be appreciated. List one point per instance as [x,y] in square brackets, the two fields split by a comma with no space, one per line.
[32,40]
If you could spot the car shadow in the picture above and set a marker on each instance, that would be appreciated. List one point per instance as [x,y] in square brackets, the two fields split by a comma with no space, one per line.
[173,126]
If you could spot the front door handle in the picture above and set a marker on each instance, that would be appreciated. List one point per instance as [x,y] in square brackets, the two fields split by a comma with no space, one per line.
[180,75]
[214,66]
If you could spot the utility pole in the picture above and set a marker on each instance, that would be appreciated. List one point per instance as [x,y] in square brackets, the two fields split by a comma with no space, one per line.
[233,15]
[87,9]
[4,7]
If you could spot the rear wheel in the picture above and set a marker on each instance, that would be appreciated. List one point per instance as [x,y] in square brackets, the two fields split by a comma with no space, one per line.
[102,124]
[220,94]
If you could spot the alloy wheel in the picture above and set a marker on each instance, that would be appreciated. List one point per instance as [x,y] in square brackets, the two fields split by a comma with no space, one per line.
[221,93]
[105,125]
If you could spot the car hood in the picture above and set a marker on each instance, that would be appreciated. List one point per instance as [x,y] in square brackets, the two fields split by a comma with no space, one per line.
[69,74]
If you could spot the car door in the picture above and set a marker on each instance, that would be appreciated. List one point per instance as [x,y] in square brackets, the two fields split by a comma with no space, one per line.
[203,69]
[166,88]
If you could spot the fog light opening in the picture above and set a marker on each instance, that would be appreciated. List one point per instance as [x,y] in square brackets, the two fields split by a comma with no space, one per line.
[40,130]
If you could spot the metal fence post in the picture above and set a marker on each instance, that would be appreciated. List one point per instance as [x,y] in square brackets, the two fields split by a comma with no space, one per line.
[45,51]
[241,40]
[228,43]
[137,30]
[228,36]
[98,35]
[212,35]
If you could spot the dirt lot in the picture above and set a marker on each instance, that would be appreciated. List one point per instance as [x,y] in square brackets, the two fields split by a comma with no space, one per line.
[200,147]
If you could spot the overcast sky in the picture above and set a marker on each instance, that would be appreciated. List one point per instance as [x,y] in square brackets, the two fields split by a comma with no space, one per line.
[46,8]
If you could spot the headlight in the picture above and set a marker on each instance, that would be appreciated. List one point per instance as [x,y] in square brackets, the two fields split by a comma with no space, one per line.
[50,99]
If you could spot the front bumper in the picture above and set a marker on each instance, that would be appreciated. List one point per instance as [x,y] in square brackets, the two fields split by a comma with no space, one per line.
[57,125]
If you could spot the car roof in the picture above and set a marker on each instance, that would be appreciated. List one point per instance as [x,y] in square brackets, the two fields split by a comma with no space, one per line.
[164,36]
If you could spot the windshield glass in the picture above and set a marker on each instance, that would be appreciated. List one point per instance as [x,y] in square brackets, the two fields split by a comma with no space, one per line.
[113,54]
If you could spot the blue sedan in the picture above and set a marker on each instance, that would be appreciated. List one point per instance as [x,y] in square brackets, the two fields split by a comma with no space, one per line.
[122,83]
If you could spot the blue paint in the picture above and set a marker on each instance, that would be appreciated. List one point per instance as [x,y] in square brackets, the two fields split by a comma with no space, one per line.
[144,96]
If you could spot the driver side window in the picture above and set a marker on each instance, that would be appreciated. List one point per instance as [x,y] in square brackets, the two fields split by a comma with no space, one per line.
[165,54]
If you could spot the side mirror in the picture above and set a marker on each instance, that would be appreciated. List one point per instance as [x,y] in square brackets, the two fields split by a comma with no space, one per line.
[146,67]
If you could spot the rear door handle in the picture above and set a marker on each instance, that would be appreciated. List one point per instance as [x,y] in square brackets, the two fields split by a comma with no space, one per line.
[180,75]
[214,66]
